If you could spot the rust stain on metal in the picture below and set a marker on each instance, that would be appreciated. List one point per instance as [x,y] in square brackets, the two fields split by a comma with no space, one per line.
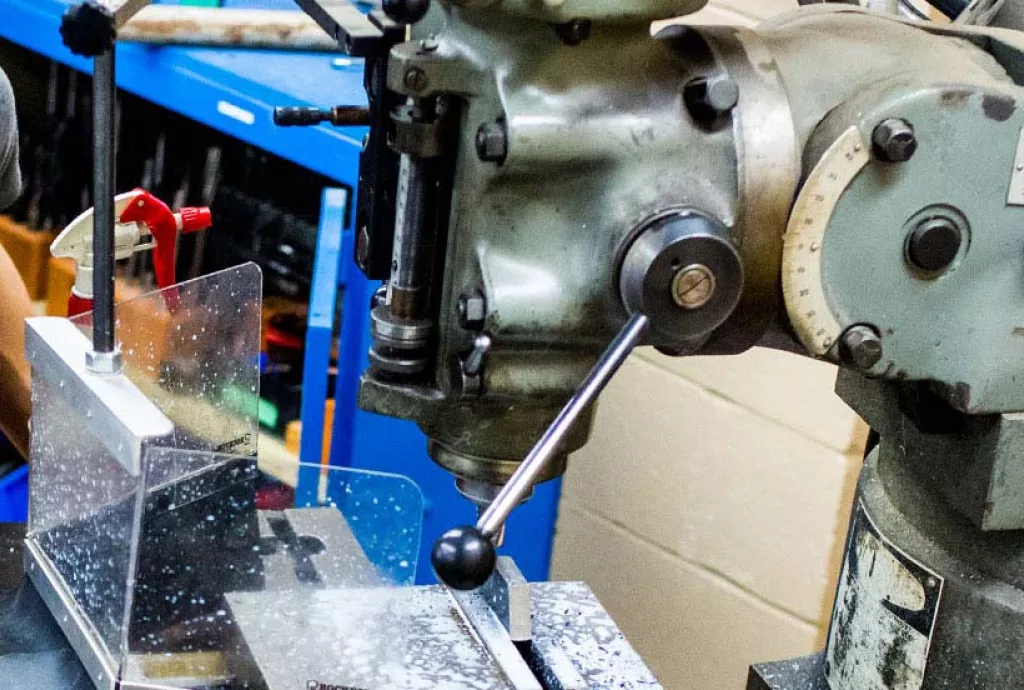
[163,27]
[954,98]
[226,27]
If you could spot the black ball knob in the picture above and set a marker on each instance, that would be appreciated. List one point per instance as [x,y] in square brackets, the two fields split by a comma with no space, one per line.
[88,29]
[406,11]
[463,558]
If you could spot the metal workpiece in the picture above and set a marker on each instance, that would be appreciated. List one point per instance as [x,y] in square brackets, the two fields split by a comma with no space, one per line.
[125,419]
[681,270]
[478,614]
[508,594]
[365,638]
[429,637]
[570,625]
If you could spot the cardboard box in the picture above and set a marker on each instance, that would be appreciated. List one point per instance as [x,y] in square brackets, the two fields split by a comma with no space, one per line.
[30,251]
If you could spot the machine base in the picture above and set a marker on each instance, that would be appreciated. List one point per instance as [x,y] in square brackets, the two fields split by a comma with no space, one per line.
[805,673]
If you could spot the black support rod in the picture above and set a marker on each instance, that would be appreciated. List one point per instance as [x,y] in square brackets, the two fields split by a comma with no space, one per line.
[103,180]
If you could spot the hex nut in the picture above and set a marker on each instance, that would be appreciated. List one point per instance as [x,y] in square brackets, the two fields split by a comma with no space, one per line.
[894,140]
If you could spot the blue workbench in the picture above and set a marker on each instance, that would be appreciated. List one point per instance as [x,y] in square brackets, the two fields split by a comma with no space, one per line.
[235,91]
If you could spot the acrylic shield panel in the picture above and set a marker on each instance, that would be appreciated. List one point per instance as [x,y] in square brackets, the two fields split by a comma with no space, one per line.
[145,559]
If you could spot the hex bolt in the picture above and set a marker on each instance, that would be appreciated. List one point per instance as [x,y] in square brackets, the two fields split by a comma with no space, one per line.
[934,244]
[710,97]
[860,347]
[693,287]
[416,80]
[492,142]
[472,310]
[894,140]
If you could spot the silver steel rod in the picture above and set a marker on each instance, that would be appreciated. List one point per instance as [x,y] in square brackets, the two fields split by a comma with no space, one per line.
[522,480]
[103,184]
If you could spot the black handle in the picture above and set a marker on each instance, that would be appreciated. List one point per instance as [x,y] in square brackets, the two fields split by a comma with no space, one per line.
[341,116]
[88,29]
[463,558]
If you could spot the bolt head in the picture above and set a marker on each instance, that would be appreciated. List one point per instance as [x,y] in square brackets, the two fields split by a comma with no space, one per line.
[860,347]
[710,97]
[416,80]
[693,287]
[934,244]
[472,310]
[894,140]
[492,142]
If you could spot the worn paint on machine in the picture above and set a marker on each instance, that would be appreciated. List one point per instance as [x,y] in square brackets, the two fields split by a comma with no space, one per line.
[884,614]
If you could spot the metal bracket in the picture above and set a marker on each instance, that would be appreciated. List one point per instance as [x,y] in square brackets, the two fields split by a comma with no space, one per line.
[362,35]
[121,416]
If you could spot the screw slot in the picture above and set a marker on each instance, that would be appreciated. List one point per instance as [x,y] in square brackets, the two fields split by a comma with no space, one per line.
[693,287]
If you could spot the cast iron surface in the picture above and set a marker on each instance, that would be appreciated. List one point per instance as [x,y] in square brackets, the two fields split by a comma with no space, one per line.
[804,673]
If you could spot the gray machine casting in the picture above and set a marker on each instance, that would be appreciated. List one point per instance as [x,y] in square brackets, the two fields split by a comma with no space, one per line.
[838,183]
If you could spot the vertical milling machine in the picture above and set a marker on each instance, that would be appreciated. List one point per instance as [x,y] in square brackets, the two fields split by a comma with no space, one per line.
[549,183]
